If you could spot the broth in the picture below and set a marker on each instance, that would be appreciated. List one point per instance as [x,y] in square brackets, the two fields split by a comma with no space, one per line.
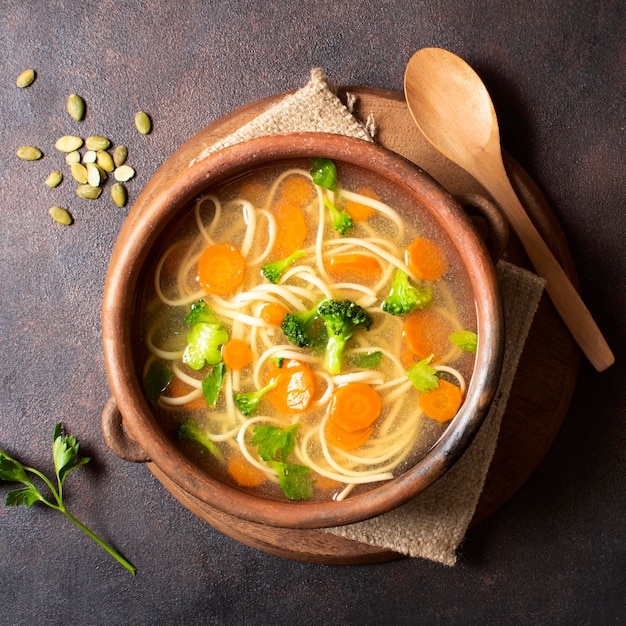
[311,431]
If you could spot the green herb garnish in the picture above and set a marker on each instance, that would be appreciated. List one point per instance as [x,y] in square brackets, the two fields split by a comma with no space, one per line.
[212,383]
[156,380]
[423,376]
[365,360]
[466,340]
[66,459]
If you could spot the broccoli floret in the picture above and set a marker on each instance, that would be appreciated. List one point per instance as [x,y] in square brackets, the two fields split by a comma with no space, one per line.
[404,297]
[248,402]
[301,328]
[341,220]
[200,312]
[273,271]
[203,345]
[188,429]
[342,319]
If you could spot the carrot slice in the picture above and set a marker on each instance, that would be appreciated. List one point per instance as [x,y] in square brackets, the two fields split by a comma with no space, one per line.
[426,332]
[295,387]
[273,313]
[359,266]
[296,189]
[221,269]
[177,389]
[323,482]
[441,404]
[426,259]
[244,473]
[354,407]
[360,212]
[254,191]
[345,439]
[236,354]
[291,229]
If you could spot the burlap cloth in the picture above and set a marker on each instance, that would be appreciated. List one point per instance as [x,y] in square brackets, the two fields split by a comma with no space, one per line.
[432,524]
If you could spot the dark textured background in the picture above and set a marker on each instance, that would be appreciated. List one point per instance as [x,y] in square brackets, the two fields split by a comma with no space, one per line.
[555,554]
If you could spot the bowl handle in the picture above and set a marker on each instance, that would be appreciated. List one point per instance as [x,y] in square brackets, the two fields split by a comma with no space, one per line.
[489,222]
[116,436]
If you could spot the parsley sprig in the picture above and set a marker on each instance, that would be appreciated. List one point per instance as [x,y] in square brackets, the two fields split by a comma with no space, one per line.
[66,459]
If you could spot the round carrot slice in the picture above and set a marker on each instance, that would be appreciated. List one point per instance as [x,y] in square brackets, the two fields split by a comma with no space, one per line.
[345,439]
[360,212]
[426,259]
[295,387]
[273,313]
[426,332]
[291,229]
[236,354]
[354,407]
[221,269]
[244,473]
[441,404]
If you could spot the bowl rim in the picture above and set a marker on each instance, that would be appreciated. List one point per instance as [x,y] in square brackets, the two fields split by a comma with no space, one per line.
[141,230]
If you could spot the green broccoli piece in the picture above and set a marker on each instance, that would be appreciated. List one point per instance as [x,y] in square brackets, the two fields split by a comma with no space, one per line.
[200,312]
[248,402]
[404,297]
[273,271]
[341,220]
[301,328]
[203,345]
[342,319]
[188,429]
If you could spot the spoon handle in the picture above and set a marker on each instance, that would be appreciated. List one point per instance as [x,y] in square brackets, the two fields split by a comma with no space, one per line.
[562,292]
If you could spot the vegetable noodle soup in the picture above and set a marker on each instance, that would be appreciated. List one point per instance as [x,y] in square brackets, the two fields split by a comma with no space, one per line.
[308,331]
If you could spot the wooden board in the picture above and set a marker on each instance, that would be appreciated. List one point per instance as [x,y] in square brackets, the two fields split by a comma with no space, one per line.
[548,368]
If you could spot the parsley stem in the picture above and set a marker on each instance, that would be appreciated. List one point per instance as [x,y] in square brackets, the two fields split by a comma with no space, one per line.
[116,555]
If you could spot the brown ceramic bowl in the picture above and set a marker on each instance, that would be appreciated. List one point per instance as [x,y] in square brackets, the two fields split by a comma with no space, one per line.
[135,247]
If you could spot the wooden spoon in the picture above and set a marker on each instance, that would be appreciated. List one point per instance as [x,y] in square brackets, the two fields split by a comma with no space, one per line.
[451,106]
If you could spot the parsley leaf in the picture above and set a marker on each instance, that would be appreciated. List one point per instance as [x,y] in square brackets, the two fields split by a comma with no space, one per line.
[294,480]
[156,380]
[466,340]
[422,375]
[324,173]
[365,360]
[212,383]
[273,443]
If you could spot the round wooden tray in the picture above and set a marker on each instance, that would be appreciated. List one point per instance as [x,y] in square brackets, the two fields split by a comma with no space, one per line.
[547,371]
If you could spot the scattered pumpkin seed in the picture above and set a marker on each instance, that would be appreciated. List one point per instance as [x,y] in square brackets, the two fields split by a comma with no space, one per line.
[29,153]
[68,143]
[26,78]
[54,179]
[93,175]
[75,106]
[97,142]
[79,172]
[60,215]
[120,154]
[89,156]
[105,160]
[123,173]
[72,157]
[88,192]
[119,194]
[143,123]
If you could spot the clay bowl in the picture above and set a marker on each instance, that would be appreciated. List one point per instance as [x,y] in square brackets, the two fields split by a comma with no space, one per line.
[135,249]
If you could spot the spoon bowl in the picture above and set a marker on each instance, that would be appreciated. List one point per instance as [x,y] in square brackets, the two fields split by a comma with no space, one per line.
[453,109]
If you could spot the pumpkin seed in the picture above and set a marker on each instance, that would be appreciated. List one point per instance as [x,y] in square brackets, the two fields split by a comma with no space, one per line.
[79,172]
[68,143]
[89,156]
[93,175]
[119,194]
[72,157]
[75,106]
[97,142]
[54,179]
[88,192]
[29,153]
[105,160]
[60,215]
[123,173]
[26,78]
[143,123]
[120,154]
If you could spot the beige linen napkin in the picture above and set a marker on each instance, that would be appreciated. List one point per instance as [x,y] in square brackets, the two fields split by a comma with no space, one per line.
[432,524]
